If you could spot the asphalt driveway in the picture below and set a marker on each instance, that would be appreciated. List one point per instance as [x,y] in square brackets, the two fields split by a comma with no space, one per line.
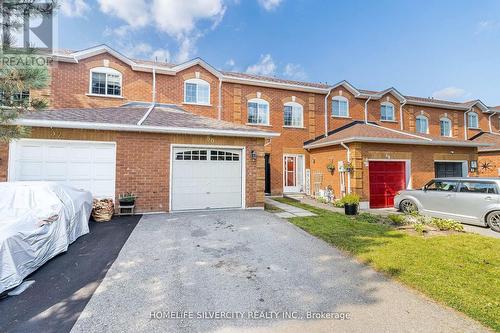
[247,265]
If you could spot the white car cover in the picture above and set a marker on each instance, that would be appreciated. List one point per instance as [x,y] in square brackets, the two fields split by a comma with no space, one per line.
[38,220]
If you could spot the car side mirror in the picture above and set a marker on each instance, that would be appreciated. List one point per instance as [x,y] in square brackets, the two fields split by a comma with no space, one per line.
[424,188]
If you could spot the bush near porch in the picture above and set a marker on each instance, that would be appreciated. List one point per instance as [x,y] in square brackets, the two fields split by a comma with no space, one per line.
[459,270]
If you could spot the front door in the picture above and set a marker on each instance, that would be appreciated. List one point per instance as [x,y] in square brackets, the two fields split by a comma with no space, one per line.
[267,166]
[293,173]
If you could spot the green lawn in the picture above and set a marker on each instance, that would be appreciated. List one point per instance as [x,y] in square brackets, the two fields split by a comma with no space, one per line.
[461,270]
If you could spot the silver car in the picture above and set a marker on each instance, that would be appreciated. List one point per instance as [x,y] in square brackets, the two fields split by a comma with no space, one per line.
[468,200]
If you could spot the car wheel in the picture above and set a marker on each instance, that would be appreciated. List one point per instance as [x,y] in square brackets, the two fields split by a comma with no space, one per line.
[408,206]
[493,220]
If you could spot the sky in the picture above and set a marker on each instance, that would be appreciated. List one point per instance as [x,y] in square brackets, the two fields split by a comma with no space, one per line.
[443,49]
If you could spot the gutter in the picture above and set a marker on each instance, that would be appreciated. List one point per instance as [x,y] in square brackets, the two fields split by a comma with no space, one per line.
[397,141]
[466,126]
[219,106]
[401,113]
[366,109]
[349,161]
[326,111]
[140,128]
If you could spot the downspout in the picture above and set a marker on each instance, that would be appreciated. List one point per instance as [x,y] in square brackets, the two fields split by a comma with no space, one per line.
[366,109]
[489,122]
[348,161]
[154,82]
[326,111]
[401,114]
[219,107]
[465,122]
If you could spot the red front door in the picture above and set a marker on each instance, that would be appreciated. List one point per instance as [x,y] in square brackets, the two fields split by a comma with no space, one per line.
[386,179]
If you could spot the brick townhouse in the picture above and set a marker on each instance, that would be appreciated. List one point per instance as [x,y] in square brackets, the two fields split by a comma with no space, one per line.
[215,139]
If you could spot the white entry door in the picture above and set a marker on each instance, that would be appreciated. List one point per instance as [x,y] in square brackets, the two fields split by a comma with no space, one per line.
[82,164]
[206,178]
[293,173]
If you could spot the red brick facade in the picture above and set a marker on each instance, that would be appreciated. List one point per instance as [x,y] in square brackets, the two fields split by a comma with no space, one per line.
[70,88]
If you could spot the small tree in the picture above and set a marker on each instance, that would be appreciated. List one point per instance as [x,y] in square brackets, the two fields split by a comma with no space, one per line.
[21,70]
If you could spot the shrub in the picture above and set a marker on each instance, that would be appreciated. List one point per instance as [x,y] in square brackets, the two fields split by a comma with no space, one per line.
[447,224]
[397,219]
[419,227]
[338,203]
[351,199]
[322,200]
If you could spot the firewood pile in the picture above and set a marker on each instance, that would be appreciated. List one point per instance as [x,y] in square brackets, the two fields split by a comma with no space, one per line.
[102,210]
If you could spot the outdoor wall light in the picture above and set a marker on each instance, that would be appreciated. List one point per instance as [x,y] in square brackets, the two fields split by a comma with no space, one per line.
[254,155]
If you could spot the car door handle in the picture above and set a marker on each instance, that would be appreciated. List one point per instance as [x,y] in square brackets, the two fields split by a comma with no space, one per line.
[488,198]
[448,195]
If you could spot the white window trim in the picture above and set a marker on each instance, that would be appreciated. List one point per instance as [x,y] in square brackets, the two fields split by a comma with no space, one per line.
[451,127]
[427,120]
[393,111]
[260,101]
[343,99]
[197,82]
[105,70]
[294,105]
[477,120]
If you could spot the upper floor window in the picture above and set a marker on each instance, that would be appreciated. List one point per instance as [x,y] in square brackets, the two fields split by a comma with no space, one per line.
[473,120]
[197,91]
[445,126]
[293,114]
[422,124]
[105,81]
[387,111]
[258,111]
[340,106]
[15,99]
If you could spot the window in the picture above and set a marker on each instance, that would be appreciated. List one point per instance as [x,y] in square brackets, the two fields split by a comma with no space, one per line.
[387,111]
[105,81]
[15,98]
[197,91]
[422,124]
[220,155]
[445,126]
[478,187]
[258,111]
[441,185]
[473,120]
[340,106]
[293,114]
[191,155]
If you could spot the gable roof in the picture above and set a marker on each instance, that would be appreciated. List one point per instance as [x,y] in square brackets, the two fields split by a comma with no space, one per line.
[493,139]
[259,80]
[359,131]
[139,117]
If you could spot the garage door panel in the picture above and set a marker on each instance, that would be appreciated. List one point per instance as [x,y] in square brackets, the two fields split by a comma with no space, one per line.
[85,165]
[386,178]
[198,182]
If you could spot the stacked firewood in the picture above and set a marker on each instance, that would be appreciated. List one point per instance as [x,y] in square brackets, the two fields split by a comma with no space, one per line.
[102,210]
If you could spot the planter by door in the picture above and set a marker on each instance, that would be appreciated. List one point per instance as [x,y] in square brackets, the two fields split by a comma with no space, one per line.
[351,209]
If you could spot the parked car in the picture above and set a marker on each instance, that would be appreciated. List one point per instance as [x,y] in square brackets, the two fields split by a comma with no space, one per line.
[468,200]
[38,220]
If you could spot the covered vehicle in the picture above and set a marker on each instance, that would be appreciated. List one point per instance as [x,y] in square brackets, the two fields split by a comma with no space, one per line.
[38,220]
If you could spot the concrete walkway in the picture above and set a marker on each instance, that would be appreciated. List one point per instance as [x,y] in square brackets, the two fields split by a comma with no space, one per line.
[261,272]
[288,211]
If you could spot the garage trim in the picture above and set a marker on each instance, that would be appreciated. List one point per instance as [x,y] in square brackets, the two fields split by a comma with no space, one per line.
[465,165]
[13,145]
[243,167]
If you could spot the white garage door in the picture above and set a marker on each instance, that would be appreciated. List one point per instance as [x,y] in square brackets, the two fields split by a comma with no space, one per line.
[82,164]
[206,178]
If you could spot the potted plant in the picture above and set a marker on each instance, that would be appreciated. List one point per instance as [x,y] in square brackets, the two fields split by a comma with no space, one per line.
[351,203]
[127,199]
[330,167]
[349,167]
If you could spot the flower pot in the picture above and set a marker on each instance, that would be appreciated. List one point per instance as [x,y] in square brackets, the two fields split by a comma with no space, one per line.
[351,209]
[126,203]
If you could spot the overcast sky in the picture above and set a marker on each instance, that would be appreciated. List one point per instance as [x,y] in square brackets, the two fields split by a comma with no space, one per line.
[446,49]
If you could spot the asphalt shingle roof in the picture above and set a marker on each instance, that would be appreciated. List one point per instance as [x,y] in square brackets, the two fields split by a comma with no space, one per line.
[361,132]
[488,138]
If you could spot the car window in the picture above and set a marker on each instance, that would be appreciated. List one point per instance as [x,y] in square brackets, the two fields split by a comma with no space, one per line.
[441,185]
[478,187]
